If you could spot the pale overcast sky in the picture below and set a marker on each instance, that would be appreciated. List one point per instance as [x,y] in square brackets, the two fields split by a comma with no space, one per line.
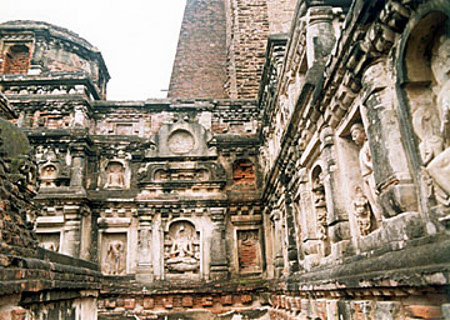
[137,38]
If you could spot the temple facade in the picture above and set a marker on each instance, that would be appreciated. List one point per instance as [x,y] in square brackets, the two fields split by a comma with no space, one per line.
[299,169]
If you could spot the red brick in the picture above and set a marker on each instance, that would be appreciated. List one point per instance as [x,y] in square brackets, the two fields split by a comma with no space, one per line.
[188,301]
[423,312]
[149,303]
[130,303]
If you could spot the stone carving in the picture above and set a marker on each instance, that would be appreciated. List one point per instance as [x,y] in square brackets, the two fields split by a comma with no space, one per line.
[249,251]
[114,258]
[425,124]
[181,141]
[48,175]
[438,166]
[50,245]
[183,254]
[53,172]
[362,211]
[144,241]
[320,206]
[365,163]
[115,175]
[79,118]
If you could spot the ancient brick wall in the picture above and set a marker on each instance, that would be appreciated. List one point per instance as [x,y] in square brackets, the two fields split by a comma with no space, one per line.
[280,13]
[17,60]
[199,67]
[247,35]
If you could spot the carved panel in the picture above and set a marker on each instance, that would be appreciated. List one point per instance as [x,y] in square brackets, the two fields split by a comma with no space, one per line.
[49,241]
[182,249]
[114,253]
[181,141]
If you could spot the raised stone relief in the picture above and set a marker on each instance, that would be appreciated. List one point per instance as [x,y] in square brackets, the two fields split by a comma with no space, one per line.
[54,167]
[182,249]
[181,141]
[359,137]
[49,241]
[182,138]
[439,166]
[115,175]
[362,212]
[320,208]
[114,254]
[79,117]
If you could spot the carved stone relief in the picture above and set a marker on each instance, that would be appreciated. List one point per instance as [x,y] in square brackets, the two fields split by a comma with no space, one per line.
[49,241]
[114,253]
[362,212]
[429,103]
[79,118]
[115,175]
[182,249]
[439,166]
[359,137]
[320,208]
[181,141]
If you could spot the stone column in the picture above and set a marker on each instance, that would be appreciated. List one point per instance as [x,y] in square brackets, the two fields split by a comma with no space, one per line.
[275,217]
[337,217]
[309,242]
[78,167]
[394,183]
[319,33]
[72,232]
[219,261]
[85,233]
[290,234]
[144,270]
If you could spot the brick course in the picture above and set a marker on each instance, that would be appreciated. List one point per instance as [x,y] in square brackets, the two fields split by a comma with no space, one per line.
[199,67]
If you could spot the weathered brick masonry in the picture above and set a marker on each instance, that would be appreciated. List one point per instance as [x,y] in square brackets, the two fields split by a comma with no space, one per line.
[199,67]
[327,198]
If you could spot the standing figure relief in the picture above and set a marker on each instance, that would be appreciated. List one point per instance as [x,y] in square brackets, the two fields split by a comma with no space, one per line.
[359,137]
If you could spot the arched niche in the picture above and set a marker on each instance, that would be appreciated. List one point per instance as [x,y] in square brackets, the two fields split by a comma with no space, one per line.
[17,59]
[424,90]
[182,250]
[48,174]
[319,197]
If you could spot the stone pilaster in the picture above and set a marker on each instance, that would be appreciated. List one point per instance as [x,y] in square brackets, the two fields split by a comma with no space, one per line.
[397,193]
[275,217]
[337,218]
[219,261]
[78,167]
[144,269]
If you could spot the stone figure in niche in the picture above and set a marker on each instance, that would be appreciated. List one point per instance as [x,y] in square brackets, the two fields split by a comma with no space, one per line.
[114,258]
[115,176]
[365,163]
[183,254]
[320,206]
[425,124]
[439,167]
[48,175]
[362,211]
[50,245]
[79,117]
